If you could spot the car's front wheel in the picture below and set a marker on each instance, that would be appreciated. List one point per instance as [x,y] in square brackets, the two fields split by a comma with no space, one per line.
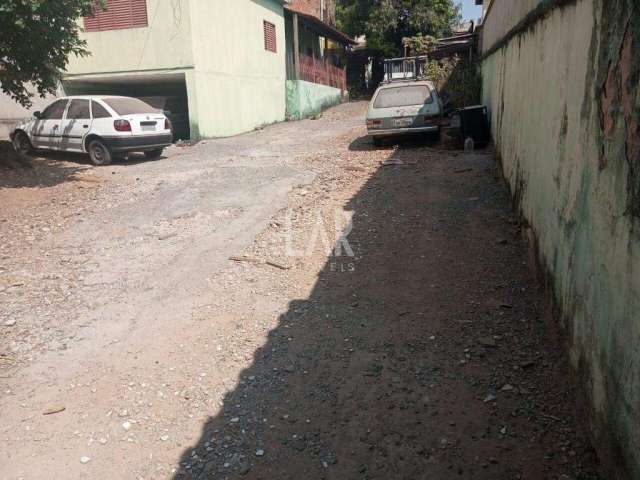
[154,154]
[99,153]
[22,144]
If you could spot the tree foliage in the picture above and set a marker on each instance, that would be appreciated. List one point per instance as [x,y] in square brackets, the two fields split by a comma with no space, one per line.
[386,22]
[458,79]
[36,39]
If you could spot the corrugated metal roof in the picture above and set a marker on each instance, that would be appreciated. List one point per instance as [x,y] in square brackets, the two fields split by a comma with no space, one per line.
[322,28]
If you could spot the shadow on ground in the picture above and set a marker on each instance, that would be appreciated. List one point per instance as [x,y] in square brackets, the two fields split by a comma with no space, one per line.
[33,172]
[425,355]
[365,142]
[48,169]
[441,142]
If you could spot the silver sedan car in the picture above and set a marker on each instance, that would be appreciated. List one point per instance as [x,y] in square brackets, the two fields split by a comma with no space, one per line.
[404,108]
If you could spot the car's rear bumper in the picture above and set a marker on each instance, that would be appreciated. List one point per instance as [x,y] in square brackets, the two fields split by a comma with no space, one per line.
[138,142]
[391,132]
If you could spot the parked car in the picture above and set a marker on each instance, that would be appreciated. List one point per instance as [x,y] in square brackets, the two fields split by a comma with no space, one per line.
[405,107]
[102,126]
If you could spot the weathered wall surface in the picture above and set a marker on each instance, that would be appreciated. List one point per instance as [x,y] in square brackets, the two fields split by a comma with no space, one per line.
[564,101]
[11,113]
[504,15]
[306,99]
[164,44]
[239,85]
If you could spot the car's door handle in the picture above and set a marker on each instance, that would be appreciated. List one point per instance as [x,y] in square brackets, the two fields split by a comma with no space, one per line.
[85,126]
[55,127]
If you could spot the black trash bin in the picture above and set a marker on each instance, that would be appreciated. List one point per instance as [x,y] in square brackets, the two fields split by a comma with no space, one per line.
[474,123]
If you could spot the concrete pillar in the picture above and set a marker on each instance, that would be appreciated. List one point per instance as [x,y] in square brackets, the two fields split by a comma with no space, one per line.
[190,81]
[296,46]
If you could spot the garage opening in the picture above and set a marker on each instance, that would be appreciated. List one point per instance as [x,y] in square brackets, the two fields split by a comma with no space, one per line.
[166,92]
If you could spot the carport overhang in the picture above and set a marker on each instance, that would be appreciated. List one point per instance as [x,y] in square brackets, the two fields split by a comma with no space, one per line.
[124,78]
[170,82]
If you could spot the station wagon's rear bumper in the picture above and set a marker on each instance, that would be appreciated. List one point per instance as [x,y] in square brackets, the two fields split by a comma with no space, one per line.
[138,142]
[376,132]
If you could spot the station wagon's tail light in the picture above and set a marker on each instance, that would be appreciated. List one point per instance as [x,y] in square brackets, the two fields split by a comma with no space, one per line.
[374,123]
[167,124]
[122,125]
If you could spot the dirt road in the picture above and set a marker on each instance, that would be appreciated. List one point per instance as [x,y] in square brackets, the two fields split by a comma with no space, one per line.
[134,348]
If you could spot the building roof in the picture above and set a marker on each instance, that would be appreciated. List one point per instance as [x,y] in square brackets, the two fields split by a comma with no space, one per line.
[464,27]
[322,28]
[458,44]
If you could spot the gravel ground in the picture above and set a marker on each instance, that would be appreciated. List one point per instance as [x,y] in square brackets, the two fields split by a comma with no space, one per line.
[188,318]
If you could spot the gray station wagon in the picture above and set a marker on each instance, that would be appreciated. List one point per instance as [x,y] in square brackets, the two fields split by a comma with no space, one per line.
[406,107]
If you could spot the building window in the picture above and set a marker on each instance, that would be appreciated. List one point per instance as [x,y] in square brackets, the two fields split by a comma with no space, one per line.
[119,14]
[270,37]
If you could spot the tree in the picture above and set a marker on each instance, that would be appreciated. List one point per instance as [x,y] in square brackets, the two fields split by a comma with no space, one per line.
[386,22]
[36,39]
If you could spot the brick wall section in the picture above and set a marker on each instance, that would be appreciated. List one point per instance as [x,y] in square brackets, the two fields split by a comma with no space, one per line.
[313,7]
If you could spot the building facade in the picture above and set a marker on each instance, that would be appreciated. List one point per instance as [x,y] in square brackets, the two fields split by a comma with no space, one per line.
[221,64]
[315,56]
[217,68]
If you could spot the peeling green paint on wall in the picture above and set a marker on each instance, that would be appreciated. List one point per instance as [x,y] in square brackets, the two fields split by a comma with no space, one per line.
[565,111]
[306,99]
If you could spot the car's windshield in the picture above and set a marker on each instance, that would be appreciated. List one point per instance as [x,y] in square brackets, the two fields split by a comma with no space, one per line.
[403,96]
[129,106]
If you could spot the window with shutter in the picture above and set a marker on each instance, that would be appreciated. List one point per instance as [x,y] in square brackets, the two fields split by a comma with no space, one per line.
[119,14]
[270,37]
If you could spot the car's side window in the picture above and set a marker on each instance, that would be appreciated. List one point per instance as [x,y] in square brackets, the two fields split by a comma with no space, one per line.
[54,111]
[99,111]
[78,110]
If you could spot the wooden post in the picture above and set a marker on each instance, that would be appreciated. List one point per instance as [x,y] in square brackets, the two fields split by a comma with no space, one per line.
[343,82]
[296,46]
[313,61]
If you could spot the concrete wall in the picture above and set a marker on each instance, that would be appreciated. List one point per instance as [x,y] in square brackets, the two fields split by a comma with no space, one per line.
[11,113]
[305,99]
[164,44]
[502,16]
[239,85]
[564,103]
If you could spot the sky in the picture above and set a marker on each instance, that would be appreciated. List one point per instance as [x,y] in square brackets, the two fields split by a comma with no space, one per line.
[470,11]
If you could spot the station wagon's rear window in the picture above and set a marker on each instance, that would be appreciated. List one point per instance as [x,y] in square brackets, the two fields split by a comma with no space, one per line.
[403,96]
[129,106]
